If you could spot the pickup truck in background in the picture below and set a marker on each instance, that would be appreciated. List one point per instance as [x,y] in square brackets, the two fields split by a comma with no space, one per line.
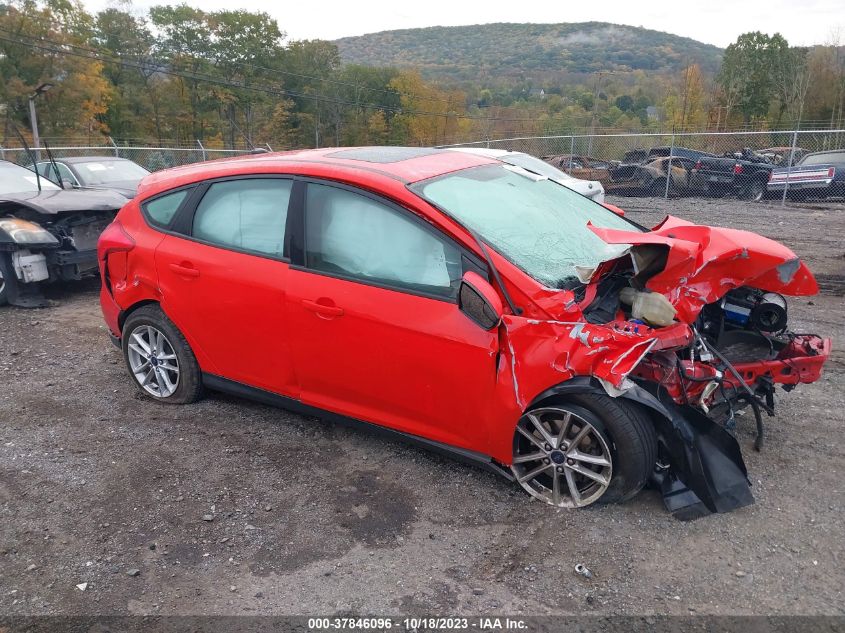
[817,175]
[744,174]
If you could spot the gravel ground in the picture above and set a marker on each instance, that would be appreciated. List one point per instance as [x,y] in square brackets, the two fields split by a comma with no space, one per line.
[102,489]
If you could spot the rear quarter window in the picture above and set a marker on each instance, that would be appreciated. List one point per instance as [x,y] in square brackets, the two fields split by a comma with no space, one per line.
[161,210]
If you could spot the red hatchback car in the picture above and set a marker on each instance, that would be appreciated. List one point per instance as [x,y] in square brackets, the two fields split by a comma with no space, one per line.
[470,305]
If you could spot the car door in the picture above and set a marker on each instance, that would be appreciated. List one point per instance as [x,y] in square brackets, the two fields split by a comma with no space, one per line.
[379,335]
[222,272]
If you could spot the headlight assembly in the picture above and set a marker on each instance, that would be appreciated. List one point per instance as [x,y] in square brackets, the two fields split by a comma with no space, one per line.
[25,232]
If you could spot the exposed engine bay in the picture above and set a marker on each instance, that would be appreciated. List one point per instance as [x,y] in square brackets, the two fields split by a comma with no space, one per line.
[690,321]
[38,248]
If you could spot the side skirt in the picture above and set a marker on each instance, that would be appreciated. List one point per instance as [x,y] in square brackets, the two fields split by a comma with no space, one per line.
[479,460]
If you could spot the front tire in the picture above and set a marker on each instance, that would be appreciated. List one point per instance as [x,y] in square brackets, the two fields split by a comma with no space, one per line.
[8,281]
[159,359]
[586,449]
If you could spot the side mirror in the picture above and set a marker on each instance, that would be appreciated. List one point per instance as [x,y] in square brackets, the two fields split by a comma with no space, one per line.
[614,208]
[479,301]
[67,184]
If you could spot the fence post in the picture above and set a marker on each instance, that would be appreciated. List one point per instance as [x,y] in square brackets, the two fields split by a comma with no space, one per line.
[204,154]
[571,152]
[789,166]
[2,152]
[114,145]
[669,165]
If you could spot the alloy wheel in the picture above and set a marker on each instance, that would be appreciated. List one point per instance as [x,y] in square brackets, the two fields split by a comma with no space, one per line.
[561,458]
[153,361]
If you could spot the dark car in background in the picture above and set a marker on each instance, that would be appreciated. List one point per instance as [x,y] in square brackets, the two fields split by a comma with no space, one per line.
[95,172]
[744,173]
[817,175]
[650,178]
[583,167]
[47,233]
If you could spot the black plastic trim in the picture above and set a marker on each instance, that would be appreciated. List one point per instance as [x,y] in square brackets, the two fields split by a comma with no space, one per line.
[485,462]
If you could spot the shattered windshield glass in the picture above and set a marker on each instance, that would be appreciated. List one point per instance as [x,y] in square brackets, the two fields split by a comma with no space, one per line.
[537,224]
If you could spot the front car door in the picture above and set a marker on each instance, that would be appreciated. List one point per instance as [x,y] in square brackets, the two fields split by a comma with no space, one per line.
[222,273]
[379,335]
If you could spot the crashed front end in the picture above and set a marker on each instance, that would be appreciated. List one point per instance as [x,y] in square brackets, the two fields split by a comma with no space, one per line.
[691,323]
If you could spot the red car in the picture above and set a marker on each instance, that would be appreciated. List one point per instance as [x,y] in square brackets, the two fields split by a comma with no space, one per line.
[472,306]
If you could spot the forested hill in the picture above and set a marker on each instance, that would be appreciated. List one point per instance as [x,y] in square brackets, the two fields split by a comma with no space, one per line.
[528,50]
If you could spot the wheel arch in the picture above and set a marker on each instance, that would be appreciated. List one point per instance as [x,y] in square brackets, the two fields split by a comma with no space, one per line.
[124,314]
[588,384]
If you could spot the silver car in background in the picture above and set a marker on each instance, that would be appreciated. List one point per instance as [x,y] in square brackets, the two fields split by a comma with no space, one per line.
[592,189]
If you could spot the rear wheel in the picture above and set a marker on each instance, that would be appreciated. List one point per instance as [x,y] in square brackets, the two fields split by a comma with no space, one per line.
[159,358]
[657,188]
[753,191]
[587,449]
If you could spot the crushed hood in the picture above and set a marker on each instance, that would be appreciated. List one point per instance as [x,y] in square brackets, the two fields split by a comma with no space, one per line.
[702,263]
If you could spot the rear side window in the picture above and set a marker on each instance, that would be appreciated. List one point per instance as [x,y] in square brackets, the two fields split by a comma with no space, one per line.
[161,210]
[246,214]
[352,235]
[824,159]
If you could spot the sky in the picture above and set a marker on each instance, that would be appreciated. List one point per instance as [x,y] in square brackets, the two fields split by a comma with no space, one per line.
[719,22]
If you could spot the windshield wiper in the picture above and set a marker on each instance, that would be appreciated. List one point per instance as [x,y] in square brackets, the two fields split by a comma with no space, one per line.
[517,311]
[28,153]
[55,167]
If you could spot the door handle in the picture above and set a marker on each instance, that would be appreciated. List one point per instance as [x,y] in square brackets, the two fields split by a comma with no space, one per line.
[185,271]
[324,310]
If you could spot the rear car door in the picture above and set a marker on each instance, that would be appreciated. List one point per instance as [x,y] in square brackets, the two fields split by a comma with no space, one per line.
[222,272]
[379,336]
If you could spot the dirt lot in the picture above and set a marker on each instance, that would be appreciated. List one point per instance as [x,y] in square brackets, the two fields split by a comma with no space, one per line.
[309,518]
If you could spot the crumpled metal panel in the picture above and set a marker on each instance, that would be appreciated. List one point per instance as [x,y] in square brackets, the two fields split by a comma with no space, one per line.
[705,262]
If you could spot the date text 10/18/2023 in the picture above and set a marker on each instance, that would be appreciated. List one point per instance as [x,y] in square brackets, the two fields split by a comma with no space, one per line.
[417,624]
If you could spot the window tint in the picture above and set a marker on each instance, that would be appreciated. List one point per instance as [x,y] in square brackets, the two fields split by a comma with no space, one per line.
[354,235]
[162,209]
[247,214]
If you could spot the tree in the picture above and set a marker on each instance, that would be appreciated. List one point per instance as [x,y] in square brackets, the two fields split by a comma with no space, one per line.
[746,76]
[81,95]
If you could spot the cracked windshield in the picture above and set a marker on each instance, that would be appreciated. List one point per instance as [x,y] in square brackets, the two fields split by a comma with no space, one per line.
[537,224]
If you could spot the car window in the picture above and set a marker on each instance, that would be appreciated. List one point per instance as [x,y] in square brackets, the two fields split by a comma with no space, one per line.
[247,214]
[46,170]
[353,235]
[538,225]
[66,174]
[161,210]
[824,159]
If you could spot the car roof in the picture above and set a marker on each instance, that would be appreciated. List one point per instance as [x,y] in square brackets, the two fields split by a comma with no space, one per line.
[386,164]
[482,151]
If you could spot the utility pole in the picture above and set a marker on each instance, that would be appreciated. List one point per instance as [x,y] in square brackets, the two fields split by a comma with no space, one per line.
[33,118]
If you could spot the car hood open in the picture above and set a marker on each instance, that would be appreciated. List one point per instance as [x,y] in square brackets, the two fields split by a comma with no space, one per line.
[693,265]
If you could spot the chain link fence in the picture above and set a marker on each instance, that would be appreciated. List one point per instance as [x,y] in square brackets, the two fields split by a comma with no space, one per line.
[152,158]
[750,165]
